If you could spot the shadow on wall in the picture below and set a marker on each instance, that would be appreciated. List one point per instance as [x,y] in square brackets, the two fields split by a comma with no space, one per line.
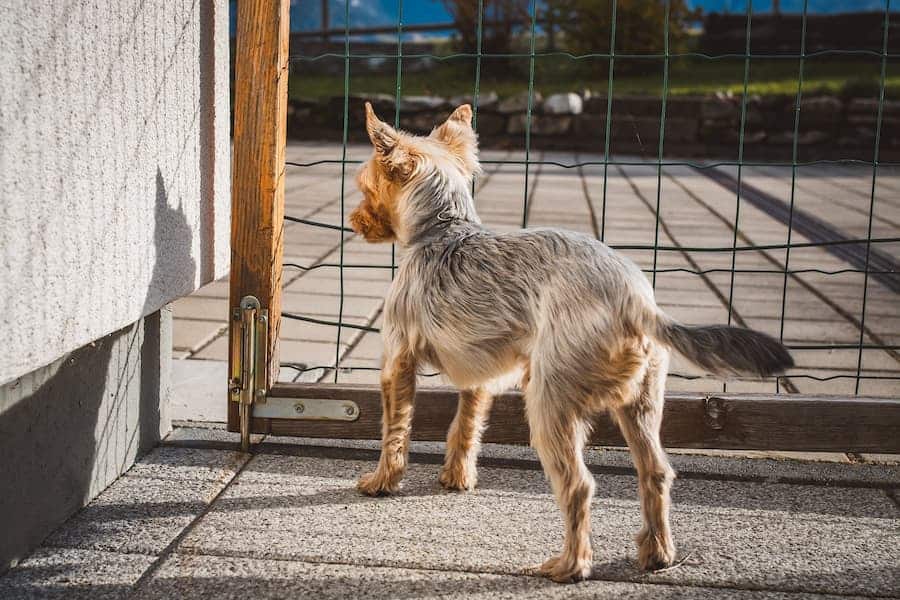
[207,141]
[68,430]
[173,263]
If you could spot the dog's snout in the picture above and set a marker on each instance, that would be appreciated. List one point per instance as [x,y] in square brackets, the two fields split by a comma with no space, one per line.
[357,221]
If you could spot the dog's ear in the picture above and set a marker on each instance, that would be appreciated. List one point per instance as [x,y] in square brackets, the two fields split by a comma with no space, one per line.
[458,134]
[459,123]
[462,114]
[383,136]
[397,157]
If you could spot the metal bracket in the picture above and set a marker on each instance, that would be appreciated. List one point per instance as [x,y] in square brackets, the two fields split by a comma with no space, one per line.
[714,412]
[249,350]
[312,409]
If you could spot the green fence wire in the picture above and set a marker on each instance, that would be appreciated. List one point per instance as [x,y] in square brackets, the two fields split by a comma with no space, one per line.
[873,263]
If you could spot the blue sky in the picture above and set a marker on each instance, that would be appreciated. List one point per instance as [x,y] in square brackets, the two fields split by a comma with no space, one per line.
[305,14]
[384,12]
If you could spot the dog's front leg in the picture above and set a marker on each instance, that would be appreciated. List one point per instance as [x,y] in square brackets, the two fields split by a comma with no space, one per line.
[464,440]
[398,391]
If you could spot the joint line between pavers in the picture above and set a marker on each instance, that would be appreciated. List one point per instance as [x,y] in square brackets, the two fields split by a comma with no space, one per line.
[894,496]
[170,548]
[595,227]
[642,580]
[205,343]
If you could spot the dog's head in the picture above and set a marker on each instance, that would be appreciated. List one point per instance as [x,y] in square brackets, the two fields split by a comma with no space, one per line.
[401,161]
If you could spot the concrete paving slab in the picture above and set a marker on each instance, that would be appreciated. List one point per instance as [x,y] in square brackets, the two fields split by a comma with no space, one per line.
[238,578]
[293,350]
[829,540]
[201,308]
[315,283]
[199,390]
[292,329]
[147,508]
[74,574]
[217,289]
[314,353]
[828,457]
[883,459]
[191,334]
[217,350]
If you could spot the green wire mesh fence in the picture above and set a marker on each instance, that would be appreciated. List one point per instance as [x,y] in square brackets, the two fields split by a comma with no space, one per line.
[858,255]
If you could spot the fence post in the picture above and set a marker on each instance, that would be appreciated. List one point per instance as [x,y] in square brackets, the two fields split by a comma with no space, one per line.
[257,208]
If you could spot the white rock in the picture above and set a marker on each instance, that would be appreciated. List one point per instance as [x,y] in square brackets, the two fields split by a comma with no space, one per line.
[563,104]
[414,103]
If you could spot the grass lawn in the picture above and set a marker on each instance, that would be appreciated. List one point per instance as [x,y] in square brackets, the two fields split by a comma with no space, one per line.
[858,78]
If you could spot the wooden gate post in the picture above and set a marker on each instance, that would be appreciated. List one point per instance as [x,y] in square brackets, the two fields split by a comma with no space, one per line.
[257,207]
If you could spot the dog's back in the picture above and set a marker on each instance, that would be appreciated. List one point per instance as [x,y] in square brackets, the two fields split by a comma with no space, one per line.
[485,296]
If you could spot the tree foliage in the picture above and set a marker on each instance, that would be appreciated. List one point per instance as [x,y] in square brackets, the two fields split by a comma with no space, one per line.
[502,20]
[585,25]
[580,26]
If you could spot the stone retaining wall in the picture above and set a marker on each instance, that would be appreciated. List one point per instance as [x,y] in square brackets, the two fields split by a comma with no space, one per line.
[830,126]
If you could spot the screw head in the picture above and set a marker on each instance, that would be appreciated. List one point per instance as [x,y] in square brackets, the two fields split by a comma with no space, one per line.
[349,410]
[260,393]
[299,408]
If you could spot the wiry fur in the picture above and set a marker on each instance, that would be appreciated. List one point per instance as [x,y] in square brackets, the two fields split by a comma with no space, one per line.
[574,320]
[726,350]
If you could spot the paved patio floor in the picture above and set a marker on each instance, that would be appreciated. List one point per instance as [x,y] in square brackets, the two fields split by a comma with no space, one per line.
[695,210]
[196,518]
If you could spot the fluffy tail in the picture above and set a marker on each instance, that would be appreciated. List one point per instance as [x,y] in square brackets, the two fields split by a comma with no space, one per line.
[725,350]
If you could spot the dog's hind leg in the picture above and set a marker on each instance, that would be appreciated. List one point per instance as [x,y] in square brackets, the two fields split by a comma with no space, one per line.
[464,439]
[398,391]
[640,421]
[558,434]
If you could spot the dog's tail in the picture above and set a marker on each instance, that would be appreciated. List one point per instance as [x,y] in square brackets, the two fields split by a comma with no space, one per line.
[723,349]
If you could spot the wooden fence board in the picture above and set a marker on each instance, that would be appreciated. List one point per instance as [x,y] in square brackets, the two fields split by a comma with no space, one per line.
[260,124]
[725,421]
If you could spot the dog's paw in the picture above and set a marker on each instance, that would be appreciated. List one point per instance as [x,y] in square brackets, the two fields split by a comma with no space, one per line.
[376,484]
[654,552]
[458,478]
[564,569]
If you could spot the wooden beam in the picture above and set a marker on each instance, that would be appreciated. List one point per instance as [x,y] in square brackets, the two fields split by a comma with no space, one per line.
[724,421]
[260,125]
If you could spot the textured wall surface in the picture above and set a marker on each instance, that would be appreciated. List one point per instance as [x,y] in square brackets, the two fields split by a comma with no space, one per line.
[114,166]
[71,428]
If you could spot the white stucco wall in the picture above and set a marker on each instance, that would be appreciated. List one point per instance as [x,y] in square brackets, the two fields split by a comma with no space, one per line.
[114,166]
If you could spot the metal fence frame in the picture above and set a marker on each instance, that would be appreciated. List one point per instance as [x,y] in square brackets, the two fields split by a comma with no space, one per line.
[843,409]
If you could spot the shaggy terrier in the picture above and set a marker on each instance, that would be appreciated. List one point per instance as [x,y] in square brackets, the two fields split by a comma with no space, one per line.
[575,323]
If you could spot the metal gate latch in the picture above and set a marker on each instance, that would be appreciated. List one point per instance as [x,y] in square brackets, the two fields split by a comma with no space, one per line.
[249,349]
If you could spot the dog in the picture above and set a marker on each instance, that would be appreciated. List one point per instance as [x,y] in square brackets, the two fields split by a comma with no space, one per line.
[573,321]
